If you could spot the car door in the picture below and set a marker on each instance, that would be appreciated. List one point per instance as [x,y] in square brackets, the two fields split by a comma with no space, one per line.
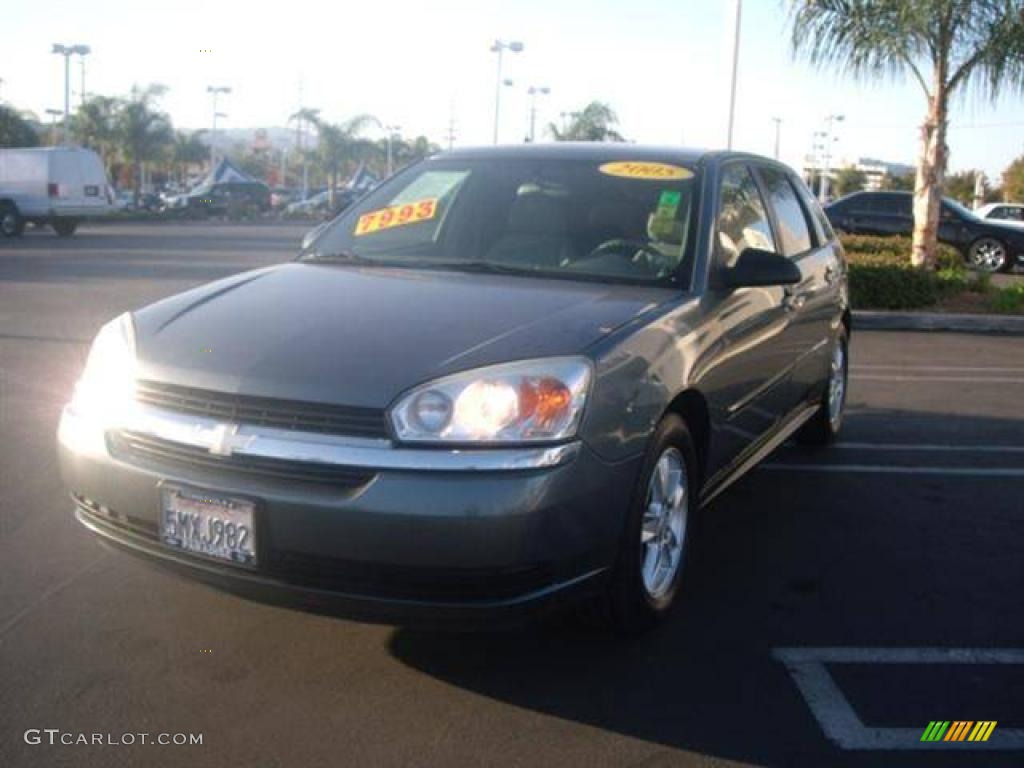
[746,380]
[953,228]
[814,303]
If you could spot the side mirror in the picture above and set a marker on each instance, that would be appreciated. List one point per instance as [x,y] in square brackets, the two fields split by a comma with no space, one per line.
[313,234]
[757,267]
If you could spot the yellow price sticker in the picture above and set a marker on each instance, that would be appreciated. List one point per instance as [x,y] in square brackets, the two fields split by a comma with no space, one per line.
[396,216]
[649,171]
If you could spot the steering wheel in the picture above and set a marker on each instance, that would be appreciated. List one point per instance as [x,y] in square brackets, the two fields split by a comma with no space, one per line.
[625,247]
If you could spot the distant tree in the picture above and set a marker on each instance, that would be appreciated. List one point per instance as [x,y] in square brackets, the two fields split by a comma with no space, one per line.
[947,46]
[15,130]
[1013,181]
[960,186]
[340,144]
[596,122]
[849,180]
[897,183]
[94,125]
[188,150]
[143,132]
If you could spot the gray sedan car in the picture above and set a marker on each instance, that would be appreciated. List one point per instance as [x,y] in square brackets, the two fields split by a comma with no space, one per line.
[506,379]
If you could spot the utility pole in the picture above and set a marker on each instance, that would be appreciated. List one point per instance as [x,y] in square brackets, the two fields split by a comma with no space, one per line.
[215,90]
[830,121]
[735,70]
[499,47]
[778,130]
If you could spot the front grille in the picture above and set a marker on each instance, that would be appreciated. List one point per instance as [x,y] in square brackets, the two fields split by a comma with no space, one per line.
[131,523]
[295,415]
[134,447]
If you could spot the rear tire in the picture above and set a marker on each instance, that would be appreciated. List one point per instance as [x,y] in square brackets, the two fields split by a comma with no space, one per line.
[65,227]
[12,223]
[656,541]
[824,426]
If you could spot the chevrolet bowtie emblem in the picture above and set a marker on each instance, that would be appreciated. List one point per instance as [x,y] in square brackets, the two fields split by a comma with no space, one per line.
[224,440]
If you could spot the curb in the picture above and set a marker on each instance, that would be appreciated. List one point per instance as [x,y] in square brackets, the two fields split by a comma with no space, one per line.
[934,321]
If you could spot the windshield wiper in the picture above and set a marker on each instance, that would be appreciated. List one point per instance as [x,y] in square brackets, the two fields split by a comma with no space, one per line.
[482,267]
[350,257]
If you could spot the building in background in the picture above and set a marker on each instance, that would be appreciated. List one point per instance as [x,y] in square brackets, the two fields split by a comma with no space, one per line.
[878,174]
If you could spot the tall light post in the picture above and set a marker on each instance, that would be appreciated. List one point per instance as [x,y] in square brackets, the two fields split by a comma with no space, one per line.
[534,91]
[67,51]
[392,131]
[215,91]
[735,69]
[499,47]
[778,131]
[53,113]
[830,122]
[81,63]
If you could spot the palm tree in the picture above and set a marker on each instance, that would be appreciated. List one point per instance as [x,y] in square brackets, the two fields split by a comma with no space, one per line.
[594,123]
[143,131]
[340,144]
[94,126]
[188,150]
[946,46]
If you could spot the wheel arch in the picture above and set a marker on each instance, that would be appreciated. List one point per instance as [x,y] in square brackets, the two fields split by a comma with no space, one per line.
[692,407]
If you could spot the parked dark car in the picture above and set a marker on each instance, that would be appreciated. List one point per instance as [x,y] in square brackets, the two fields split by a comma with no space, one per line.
[505,379]
[986,245]
[224,198]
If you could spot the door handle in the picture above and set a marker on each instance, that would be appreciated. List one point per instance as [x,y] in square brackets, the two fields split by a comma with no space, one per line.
[792,299]
[831,274]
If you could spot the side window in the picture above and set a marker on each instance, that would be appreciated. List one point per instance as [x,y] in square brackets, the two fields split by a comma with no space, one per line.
[742,218]
[794,232]
[901,205]
[999,213]
[822,229]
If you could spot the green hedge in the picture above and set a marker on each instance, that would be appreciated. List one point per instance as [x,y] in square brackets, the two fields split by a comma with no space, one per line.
[881,276]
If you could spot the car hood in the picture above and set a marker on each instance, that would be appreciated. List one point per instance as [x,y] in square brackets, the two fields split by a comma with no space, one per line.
[362,335]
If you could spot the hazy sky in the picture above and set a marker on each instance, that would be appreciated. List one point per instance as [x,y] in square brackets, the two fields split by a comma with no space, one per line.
[661,64]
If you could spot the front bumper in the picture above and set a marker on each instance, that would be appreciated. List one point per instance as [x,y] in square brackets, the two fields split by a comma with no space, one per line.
[470,545]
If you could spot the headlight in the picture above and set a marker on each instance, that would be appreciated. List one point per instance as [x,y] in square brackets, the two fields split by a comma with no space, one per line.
[525,402]
[107,385]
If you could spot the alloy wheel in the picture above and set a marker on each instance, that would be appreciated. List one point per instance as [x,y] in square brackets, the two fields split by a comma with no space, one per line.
[664,527]
[988,254]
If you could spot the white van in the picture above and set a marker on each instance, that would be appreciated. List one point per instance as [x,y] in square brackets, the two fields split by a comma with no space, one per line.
[52,185]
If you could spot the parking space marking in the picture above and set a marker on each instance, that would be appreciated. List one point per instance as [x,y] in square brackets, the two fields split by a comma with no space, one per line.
[888,469]
[962,379]
[932,447]
[838,719]
[963,368]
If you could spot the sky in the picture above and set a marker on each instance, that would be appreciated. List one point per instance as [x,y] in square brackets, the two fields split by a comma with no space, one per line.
[662,65]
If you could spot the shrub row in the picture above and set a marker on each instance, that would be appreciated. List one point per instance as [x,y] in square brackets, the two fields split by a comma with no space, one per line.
[881,276]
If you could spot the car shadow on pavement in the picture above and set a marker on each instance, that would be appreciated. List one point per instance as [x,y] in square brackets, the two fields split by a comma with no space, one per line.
[785,559]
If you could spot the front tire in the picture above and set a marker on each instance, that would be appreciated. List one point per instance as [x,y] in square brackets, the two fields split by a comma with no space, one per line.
[65,227]
[824,426]
[656,540]
[12,223]
[987,254]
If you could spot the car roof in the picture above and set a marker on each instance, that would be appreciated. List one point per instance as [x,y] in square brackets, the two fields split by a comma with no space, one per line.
[591,151]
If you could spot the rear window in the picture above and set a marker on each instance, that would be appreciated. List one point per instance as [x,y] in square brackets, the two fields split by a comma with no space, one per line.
[591,219]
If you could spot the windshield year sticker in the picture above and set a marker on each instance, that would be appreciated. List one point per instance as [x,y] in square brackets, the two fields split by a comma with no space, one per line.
[648,171]
[396,216]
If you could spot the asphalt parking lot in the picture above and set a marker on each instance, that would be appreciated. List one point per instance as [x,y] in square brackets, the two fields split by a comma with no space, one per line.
[824,601]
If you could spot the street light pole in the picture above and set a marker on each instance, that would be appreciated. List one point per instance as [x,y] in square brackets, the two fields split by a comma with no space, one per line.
[778,130]
[533,91]
[735,69]
[499,47]
[215,90]
[830,120]
[67,51]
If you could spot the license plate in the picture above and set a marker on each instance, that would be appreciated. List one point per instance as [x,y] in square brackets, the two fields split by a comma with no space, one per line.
[92,191]
[207,524]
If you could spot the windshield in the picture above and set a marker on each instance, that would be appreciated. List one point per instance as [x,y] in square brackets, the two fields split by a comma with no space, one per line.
[961,210]
[624,221]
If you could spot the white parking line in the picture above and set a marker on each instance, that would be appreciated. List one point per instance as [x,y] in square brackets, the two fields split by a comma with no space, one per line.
[963,379]
[888,469]
[971,368]
[941,447]
[840,722]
